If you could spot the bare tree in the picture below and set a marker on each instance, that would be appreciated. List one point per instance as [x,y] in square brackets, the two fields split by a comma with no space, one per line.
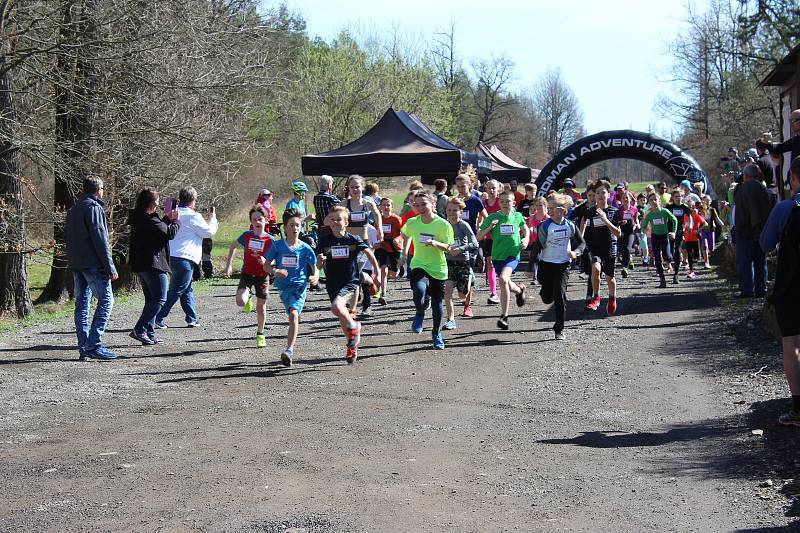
[490,96]
[559,111]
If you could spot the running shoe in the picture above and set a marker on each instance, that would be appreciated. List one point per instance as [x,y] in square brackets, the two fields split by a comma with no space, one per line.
[502,323]
[707,265]
[611,306]
[351,355]
[382,299]
[155,338]
[438,342]
[663,284]
[248,306]
[365,313]
[521,295]
[791,418]
[261,341]
[588,303]
[160,325]
[192,324]
[141,337]
[416,325]
[354,336]
[450,324]
[645,262]
[691,275]
[624,272]
[101,354]
[594,304]
[493,299]
[82,356]
[468,311]
[286,357]
[560,336]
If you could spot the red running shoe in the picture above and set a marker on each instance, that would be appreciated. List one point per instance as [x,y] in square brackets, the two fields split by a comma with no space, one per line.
[354,336]
[467,311]
[593,304]
[351,356]
[611,306]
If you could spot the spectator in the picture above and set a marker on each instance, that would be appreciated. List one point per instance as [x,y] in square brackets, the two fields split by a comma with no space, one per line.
[518,196]
[688,194]
[371,190]
[791,144]
[149,259]
[764,162]
[324,200]
[440,186]
[299,190]
[185,253]
[663,193]
[93,270]
[569,190]
[265,200]
[752,209]
[783,227]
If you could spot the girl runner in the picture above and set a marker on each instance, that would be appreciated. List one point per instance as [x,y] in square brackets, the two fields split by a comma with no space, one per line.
[693,224]
[663,225]
[387,252]
[679,210]
[560,242]
[629,224]
[459,271]
[600,229]
[491,204]
[431,237]
[708,234]
[505,226]
[539,215]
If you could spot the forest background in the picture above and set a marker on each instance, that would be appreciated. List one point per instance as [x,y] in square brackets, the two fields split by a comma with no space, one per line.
[227,95]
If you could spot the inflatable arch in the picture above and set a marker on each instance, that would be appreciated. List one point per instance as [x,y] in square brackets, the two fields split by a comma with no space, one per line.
[620,144]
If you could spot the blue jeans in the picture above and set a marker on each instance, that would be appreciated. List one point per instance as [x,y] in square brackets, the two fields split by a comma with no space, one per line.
[154,288]
[180,287]
[423,284]
[92,282]
[751,267]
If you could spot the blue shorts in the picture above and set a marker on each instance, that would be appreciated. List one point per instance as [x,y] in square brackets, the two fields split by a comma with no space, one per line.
[294,298]
[509,262]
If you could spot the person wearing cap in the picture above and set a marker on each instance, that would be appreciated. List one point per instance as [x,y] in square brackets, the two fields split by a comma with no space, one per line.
[569,190]
[689,197]
[324,200]
[265,200]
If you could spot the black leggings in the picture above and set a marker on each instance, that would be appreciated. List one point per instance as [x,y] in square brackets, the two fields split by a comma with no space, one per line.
[661,253]
[676,252]
[692,252]
[553,279]
[626,249]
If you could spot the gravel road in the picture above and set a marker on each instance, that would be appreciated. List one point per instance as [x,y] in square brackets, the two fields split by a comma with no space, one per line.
[639,422]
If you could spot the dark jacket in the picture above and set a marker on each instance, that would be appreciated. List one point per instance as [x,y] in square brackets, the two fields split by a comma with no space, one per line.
[752,209]
[86,235]
[150,238]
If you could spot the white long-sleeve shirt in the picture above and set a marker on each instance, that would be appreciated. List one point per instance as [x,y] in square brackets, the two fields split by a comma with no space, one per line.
[188,242]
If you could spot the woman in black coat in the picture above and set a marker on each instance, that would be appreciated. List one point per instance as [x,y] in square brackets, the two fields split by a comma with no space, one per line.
[149,259]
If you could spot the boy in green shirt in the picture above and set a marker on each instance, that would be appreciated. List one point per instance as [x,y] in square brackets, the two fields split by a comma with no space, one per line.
[663,225]
[510,234]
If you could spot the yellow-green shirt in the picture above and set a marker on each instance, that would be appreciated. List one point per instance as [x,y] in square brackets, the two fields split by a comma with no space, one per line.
[430,259]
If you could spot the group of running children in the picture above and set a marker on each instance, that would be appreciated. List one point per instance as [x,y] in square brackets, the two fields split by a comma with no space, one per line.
[363,245]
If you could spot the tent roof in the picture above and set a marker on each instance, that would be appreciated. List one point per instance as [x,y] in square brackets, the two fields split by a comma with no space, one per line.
[399,144]
[503,167]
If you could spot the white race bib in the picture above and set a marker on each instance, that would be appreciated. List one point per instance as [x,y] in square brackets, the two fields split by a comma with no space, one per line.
[598,222]
[507,229]
[358,216]
[387,228]
[658,221]
[464,215]
[256,246]
[340,252]
[677,212]
[627,216]
[425,238]
[289,260]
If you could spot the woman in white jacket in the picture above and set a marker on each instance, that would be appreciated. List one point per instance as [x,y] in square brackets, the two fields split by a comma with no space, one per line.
[185,252]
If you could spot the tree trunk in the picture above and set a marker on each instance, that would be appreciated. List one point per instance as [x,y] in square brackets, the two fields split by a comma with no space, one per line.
[75,102]
[15,300]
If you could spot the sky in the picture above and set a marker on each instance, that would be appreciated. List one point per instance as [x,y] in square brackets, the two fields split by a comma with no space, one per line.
[614,54]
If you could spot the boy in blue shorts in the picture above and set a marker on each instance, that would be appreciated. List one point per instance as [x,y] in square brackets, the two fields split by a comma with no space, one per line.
[289,260]
[338,251]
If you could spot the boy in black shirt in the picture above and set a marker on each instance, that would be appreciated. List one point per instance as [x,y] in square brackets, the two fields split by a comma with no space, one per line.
[338,252]
[600,229]
[679,210]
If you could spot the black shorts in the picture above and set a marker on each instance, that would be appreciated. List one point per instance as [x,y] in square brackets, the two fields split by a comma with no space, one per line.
[387,259]
[260,285]
[337,289]
[788,318]
[607,263]
[486,247]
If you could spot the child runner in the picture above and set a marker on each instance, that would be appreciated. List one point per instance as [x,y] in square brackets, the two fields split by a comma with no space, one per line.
[708,234]
[693,224]
[255,242]
[629,223]
[560,242]
[387,252]
[339,252]
[663,226]
[534,220]
[680,210]
[600,230]
[505,227]
[641,234]
[526,204]
[431,237]
[473,214]
[459,271]
[491,204]
[293,258]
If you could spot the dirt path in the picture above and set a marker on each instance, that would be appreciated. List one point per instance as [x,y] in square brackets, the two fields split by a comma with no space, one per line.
[626,426]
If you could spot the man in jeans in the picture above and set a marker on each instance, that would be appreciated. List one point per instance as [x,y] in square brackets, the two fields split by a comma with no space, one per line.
[186,251]
[89,255]
[752,210]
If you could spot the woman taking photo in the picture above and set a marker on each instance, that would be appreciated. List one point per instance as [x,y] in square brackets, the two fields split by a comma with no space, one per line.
[149,259]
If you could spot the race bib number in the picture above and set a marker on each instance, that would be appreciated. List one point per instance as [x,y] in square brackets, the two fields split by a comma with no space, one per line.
[289,261]
[387,228]
[464,215]
[358,216]
[507,229]
[627,216]
[658,221]
[677,212]
[340,252]
[256,246]
[598,222]
[425,238]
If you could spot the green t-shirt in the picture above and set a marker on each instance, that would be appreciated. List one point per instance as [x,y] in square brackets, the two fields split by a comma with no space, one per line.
[506,241]
[661,222]
[430,259]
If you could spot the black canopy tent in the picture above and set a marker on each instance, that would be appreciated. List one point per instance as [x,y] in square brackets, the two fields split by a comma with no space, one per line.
[504,169]
[399,144]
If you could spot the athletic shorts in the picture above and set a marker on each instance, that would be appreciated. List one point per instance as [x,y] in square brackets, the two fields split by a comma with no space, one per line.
[607,263]
[294,298]
[486,247]
[509,262]
[788,318]
[344,291]
[460,275]
[260,285]
[387,259]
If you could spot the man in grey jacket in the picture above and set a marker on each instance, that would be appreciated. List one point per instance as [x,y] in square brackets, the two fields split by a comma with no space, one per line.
[752,210]
[89,254]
